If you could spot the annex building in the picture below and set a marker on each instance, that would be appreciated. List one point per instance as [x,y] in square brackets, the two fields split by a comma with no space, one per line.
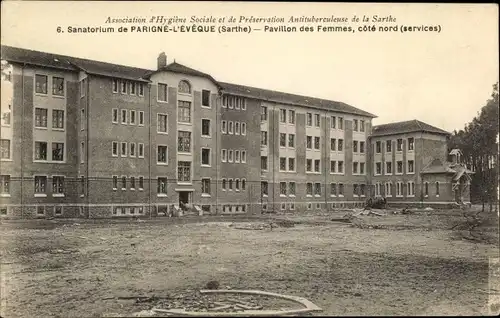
[83,138]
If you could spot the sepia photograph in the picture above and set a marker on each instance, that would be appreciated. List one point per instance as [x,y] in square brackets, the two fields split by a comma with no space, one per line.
[239,159]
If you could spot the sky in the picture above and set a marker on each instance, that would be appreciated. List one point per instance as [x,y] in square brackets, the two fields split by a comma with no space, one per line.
[442,78]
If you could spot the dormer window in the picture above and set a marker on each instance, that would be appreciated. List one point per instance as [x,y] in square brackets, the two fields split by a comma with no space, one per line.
[184,87]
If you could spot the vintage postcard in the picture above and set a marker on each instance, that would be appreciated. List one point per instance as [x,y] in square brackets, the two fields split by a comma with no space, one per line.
[248,159]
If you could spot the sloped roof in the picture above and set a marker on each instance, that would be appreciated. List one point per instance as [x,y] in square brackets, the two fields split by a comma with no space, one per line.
[286,98]
[406,127]
[182,69]
[436,166]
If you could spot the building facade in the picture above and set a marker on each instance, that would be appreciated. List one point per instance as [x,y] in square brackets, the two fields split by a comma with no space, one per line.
[82,138]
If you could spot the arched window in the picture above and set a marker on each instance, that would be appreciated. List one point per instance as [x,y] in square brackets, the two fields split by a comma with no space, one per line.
[184,87]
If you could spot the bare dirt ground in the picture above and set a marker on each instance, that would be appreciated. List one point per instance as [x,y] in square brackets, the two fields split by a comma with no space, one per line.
[406,265]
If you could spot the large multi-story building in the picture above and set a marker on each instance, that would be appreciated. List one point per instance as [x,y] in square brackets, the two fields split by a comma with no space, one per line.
[82,138]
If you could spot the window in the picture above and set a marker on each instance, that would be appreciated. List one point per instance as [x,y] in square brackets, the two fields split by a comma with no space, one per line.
[40,150]
[309,142]
[437,189]
[355,167]
[205,156]
[5,149]
[263,113]
[57,185]
[132,149]
[41,84]
[162,125]
[388,167]
[340,145]
[355,146]
[309,119]
[162,92]
[341,189]
[115,85]
[132,117]
[205,186]
[141,183]
[115,182]
[82,119]
[411,167]
[132,88]
[230,183]
[141,118]
[317,189]
[333,122]
[162,185]
[224,127]
[230,156]
[316,120]
[399,189]
[341,167]
[184,141]
[41,117]
[411,144]
[291,117]
[114,115]
[308,165]
[263,138]
[58,86]
[237,156]
[282,164]
[162,154]
[243,156]
[333,144]
[341,123]
[123,149]
[333,189]
[361,147]
[124,116]
[123,86]
[224,184]
[230,128]
[57,151]
[411,189]
[205,98]
[5,184]
[264,188]
[378,168]
[40,184]
[291,164]
[132,183]
[205,127]
[184,171]
[141,89]
[243,129]
[282,188]
[362,125]
[282,140]
[388,146]
[378,147]
[184,112]
[58,119]
[184,87]
[426,189]
[355,125]
[223,155]
[291,140]
[333,166]
[309,188]
[362,168]
[399,167]
[82,152]
[291,188]
[263,163]
[316,165]
[362,189]
[141,150]
[40,210]
[355,190]
[399,145]
[316,142]
[282,115]
[388,189]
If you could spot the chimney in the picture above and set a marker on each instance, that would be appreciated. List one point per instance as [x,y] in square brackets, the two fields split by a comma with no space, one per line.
[162,60]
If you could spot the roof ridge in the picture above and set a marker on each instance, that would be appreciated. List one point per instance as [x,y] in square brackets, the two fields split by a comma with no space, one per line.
[418,124]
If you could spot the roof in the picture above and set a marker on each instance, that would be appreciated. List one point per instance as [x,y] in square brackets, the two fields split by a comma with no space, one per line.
[57,61]
[286,98]
[406,127]
[436,166]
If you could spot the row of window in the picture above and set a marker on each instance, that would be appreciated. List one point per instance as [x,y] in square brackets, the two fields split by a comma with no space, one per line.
[41,151]
[291,140]
[128,117]
[234,102]
[128,210]
[128,149]
[399,145]
[289,189]
[239,128]
[40,185]
[240,156]
[291,116]
[132,183]
[40,210]
[42,84]
[41,118]
[399,167]
[183,88]
[128,87]
[239,184]
[386,189]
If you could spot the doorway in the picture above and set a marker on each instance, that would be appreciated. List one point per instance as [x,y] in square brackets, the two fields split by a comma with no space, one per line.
[184,199]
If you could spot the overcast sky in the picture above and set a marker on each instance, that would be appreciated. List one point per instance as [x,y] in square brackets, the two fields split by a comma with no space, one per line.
[440,78]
